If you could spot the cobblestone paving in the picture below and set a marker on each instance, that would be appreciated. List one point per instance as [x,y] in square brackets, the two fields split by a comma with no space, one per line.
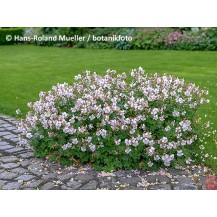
[19,169]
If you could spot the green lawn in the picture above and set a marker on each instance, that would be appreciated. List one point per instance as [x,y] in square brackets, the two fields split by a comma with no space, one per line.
[25,70]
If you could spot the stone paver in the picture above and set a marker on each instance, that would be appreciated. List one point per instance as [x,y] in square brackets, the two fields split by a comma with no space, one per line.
[84,177]
[2,183]
[3,143]
[15,139]
[12,186]
[74,185]
[160,187]
[49,176]
[25,177]
[185,180]
[185,187]
[89,186]
[19,169]
[8,159]
[10,136]
[64,177]
[35,166]
[27,155]
[9,165]
[25,163]
[7,175]
[48,186]
[4,133]
[33,184]
[5,147]
[130,180]
[14,150]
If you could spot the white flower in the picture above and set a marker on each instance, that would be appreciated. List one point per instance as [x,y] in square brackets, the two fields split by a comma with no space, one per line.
[18,111]
[202,147]
[176,113]
[103,133]
[151,151]
[141,70]
[150,164]
[154,111]
[185,125]
[164,140]
[132,73]
[127,142]
[75,141]
[92,147]
[179,153]
[127,150]
[132,131]
[83,148]
[145,141]
[167,159]
[91,117]
[167,128]
[29,135]
[77,77]
[117,142]
[188,160]
[22,141]
[183,142]
[89,139]
[58,125]
[183,113]
[66,146]
[156,158]
[187,93]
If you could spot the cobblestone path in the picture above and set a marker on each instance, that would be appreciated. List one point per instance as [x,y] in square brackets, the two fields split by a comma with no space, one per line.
[19,169]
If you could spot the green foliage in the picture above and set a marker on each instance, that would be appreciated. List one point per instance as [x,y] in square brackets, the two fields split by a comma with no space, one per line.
[124,45]
[47,66]
[176,39]
[98,44]
[64,31]
[184,38]
[149,40]
[4,32]
[112,125]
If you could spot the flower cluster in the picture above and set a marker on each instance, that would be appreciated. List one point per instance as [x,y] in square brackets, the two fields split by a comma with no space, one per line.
[188,41]
[111,123]
[175,39]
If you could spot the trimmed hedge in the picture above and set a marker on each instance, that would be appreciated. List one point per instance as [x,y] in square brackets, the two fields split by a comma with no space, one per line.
[9,31]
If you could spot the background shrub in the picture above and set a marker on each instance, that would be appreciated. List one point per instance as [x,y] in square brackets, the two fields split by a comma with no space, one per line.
[67,31]
[151,40]
[143,38]
[98,44]
[30,32]
[10,31]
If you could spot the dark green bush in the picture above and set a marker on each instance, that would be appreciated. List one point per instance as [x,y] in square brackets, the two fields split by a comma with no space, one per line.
[153,40]
[10,31]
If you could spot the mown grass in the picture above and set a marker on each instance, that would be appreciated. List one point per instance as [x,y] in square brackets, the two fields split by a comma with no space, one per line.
[26,70]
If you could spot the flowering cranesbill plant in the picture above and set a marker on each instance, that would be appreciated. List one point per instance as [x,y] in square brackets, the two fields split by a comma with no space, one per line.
[110,123]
